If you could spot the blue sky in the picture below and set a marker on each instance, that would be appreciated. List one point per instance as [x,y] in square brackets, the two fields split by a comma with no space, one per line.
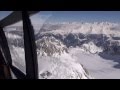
[4,14]
[85,16]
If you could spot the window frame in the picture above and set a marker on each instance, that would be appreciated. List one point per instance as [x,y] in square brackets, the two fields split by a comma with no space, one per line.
[29,44]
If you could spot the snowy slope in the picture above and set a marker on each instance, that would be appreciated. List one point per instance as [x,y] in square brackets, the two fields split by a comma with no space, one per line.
[91,48]
[60,67]
[63,67]
[97,66]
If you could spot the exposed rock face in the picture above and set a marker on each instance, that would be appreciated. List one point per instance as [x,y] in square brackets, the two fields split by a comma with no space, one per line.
[50,46]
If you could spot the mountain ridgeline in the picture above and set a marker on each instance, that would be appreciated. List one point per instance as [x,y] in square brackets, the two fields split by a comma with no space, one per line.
[50,40]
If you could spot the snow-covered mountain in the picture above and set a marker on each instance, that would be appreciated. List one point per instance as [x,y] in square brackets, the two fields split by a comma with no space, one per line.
[104,35]
[55,40]
[78,27]
[53,58]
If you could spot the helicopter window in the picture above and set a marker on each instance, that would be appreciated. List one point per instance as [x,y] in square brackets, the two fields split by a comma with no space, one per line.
[14,35]
[75,45]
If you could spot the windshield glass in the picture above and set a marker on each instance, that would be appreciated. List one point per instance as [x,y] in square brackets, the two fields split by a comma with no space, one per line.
[71,44]
[14,35]
[78,44]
